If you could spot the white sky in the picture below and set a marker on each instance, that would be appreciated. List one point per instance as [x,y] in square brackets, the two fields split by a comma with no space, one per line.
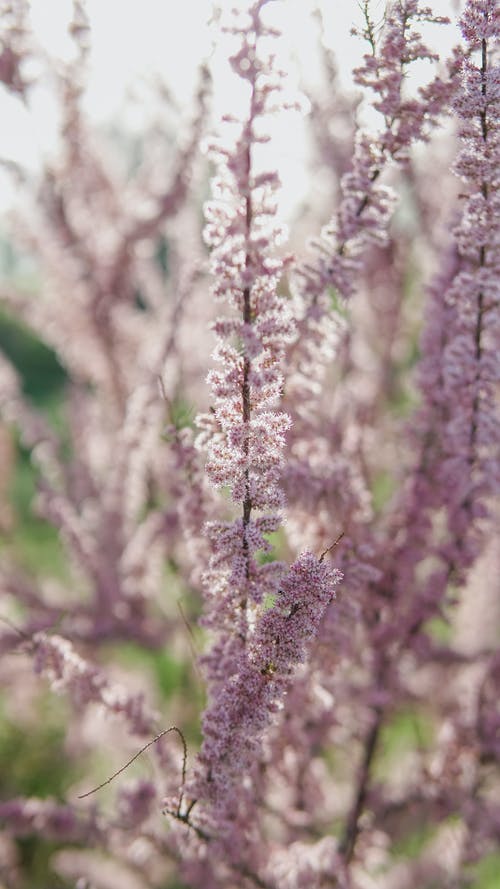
[135,40]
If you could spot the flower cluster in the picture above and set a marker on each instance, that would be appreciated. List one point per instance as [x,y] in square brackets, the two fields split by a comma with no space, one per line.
[246,702]
[459,371]
[254,649]
[366,206]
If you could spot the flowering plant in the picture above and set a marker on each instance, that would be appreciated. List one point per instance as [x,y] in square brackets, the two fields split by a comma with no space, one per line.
[307,549]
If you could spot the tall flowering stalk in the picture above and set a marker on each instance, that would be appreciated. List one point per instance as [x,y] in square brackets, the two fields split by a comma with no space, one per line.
[256,650]
[246,432]
[357,236]
[365,204]
[472,431]
[447,515]
[457,476]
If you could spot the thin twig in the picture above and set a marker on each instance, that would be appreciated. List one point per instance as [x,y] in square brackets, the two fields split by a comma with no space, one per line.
[164,395]
[173,728]
[325,553]
[351,830]
[191,640]
[21,633]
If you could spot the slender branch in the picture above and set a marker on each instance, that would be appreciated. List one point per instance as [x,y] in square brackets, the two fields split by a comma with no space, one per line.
[173,728]
[245,389]
[351,830]
[329,549]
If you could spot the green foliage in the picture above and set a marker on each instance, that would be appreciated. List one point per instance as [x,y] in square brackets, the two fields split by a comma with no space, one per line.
[403,401]
[169,673]
[383,488]
[181,413]
[439,629]
[486,874]
[407,730]
[412,843]
[37,364]
[277,540]
[35,856]
[338,305]
[36,544]
[269,601]
[174,679]
[33,761]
